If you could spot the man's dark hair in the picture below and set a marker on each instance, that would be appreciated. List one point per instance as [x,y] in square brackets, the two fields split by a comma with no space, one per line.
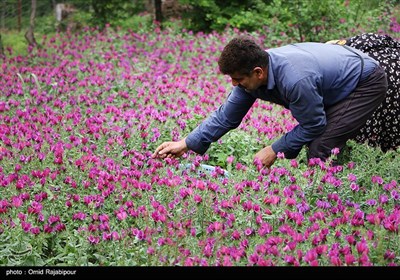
[242,55]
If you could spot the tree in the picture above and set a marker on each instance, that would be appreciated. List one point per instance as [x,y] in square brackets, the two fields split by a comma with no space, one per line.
[158,11]
[109,12]
[1,47]
[29,35]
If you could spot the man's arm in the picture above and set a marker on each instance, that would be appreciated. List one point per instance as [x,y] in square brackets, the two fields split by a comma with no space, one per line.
[228,116]
[306,106]
[266,156]
[170,149]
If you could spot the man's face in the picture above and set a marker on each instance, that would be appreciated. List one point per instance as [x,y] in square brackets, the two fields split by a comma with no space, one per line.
[250,82]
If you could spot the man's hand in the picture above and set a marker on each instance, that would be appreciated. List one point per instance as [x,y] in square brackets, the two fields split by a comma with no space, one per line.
[267,156]
[170,149]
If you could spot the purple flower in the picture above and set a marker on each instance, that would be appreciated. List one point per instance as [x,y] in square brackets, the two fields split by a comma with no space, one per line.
[335,261]
[383,199]
[335,151]
[79,216]
[35,230]
[395,195]
[248,231]
[93,239]
[349,259]
[377,179]
[26,226]
[362,247]
[236,235]
[389,255]
[351,177]
[16,201]
[371,202]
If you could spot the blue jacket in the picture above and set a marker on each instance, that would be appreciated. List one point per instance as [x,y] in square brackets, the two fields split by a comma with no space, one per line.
[304,78]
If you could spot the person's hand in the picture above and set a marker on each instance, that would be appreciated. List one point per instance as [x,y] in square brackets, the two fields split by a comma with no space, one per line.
[266,156]
[171,149]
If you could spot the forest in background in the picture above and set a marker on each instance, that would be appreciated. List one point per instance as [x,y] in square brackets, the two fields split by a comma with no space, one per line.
[22,21]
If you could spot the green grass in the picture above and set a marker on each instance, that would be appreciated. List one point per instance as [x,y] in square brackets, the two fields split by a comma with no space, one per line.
[15,40]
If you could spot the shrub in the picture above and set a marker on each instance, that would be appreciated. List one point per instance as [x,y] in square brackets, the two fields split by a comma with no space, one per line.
[302,20]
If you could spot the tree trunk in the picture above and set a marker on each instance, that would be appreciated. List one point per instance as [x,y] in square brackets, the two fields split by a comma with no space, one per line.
[158,10]
[29,35]
[1,47]
[19,9]
[53,4]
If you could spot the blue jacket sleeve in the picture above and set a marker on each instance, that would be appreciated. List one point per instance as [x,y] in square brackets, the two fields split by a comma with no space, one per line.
[228,116]
[306,106]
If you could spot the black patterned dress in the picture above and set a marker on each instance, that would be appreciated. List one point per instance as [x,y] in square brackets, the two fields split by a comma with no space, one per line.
[383,128]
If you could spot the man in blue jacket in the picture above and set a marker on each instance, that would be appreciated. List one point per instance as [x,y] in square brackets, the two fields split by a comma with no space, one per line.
[331,91]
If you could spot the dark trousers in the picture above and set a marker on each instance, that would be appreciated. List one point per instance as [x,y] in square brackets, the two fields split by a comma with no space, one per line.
[346,118]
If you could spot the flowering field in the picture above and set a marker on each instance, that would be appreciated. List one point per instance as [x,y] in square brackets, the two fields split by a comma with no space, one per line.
[79,120]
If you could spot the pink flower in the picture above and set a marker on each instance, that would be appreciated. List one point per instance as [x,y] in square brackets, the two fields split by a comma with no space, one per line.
[335,260]
[354,187]
[16,201]
[35,230]
[362,247]
[248,231]
[104,218]
[257,162]
[244,243]
[197,198]
[383,199]
[264,229]
[93,239]
[350,239]
[253,259]
[230,159]
[122,215]
[351,165]
[150,250]
[290,201]
[392,222]
[227,261]
[17,167]
[236,235]
[115,235]
[22,216]
[35,208]
[351,177]
[26,226]
[389,255]
[377,179]
[106,236]
[47,228]
[294,163]
[53,219]
[79,216]
[349,259]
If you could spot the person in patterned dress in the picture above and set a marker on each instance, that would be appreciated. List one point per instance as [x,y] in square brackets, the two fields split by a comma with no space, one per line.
[382,129]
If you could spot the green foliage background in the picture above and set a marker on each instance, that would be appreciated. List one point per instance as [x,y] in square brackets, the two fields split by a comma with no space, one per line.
[313,20]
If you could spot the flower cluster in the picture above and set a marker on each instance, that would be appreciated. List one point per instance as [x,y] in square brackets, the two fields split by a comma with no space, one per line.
[79,120]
